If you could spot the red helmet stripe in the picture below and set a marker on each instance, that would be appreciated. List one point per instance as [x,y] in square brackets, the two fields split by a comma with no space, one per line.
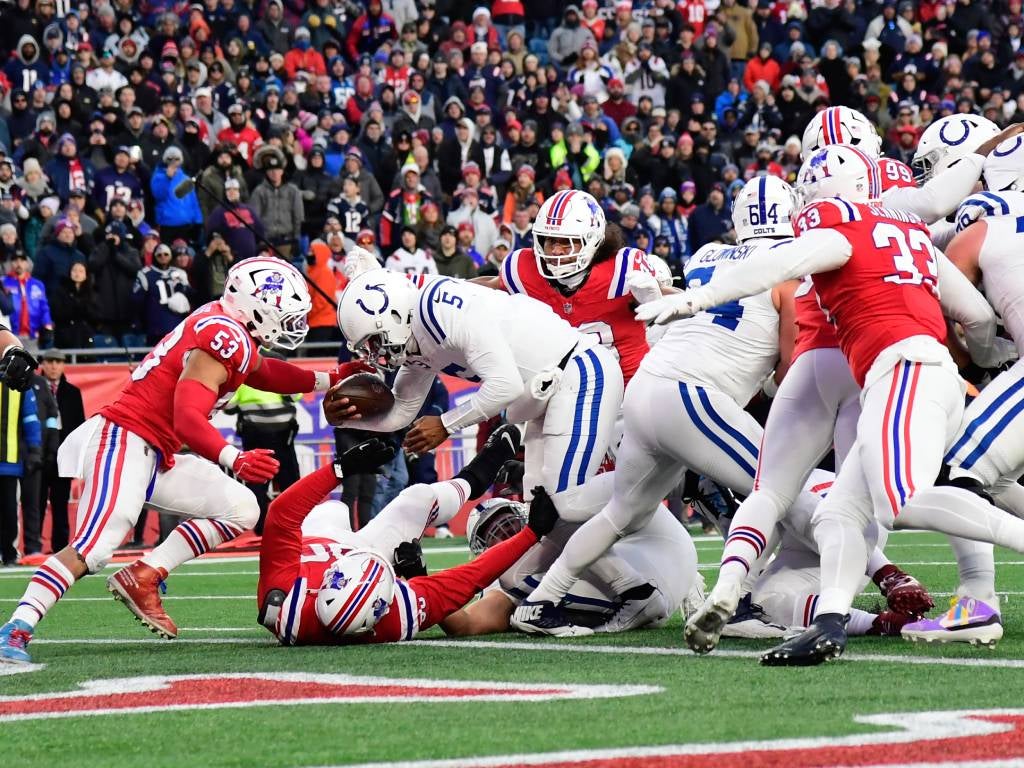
[837,125]
[557,212]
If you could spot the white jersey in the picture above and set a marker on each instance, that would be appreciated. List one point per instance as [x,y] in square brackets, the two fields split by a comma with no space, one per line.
[417,262]
[1002,273]
[731,347]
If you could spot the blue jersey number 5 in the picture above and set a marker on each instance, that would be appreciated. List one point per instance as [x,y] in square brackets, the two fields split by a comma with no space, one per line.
[726,315]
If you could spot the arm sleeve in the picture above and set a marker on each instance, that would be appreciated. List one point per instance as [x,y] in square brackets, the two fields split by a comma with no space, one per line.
[490,357]
[193,402]
[410,389]
[281,377]
[962,302]
[818,250]
[31,427]
[942,194]
[449,590]
[282,531]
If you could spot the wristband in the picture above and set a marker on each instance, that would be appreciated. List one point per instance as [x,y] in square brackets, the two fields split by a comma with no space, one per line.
[321,381]
[228,455]
[770,388]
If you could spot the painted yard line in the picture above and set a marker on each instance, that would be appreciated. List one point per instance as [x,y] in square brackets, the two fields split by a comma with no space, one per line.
[176,574]
[714,566]
[156,642]
[254,628]
[640,650]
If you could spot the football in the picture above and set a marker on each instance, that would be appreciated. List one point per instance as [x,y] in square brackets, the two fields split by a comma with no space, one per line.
[365,391]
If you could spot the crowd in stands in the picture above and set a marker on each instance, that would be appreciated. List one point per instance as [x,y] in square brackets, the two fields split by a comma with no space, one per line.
[428,131]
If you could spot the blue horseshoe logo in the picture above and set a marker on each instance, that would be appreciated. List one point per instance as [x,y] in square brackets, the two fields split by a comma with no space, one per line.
[961,140]
[380,289]
[1016,145]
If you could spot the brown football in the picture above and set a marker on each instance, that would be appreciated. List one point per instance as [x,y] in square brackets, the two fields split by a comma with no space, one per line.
[365,391]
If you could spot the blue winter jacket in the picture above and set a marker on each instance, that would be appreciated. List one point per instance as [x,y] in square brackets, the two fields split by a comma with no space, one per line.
[38,306]
[170,210]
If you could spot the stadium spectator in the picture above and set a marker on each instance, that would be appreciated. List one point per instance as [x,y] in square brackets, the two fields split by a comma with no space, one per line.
[278,204]
[403,207]
[228,222]
[710,221]
[114,264]
[450,259]
[30,312]
[175,216]
[74,308]
[409,257]
[161,295]
[54,260]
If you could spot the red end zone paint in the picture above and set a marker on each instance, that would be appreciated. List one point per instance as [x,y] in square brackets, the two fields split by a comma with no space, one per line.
[135,695]
[976,738]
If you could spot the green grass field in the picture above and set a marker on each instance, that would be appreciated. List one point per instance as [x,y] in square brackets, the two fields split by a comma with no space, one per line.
[726,697]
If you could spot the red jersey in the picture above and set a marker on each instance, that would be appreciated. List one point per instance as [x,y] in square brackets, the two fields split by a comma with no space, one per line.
[146,406]
[602,305]
[695,13]
[814,331]
[888,290]
[295,564]
[248,140]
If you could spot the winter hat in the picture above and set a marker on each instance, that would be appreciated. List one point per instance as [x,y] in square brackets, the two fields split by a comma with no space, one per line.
[30,164]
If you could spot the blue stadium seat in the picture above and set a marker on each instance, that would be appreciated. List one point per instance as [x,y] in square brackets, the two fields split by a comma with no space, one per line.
[109,341]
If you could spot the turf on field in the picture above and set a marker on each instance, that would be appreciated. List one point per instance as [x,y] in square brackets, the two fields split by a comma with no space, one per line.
[639,690]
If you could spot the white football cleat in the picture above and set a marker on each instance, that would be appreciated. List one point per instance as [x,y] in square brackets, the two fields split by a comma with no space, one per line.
[751,623]
[637,612]
[704,628]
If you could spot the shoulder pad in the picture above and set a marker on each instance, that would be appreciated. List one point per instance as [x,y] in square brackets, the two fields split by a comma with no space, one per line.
[227,341]
[627,260]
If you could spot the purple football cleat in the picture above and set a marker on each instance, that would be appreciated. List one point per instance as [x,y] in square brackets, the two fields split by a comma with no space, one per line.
[967,621]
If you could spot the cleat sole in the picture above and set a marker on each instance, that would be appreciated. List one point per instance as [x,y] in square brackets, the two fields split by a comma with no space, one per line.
[120,596]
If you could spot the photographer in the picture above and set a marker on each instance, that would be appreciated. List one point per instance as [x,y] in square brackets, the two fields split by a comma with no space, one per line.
[114,264]
[210,267]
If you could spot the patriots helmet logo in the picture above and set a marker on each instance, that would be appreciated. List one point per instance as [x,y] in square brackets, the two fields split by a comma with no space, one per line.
[380,607]
[338,580]
[594,211]
[270,290]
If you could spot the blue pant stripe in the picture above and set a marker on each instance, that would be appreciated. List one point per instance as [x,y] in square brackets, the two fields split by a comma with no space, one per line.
[730,430]
[986,442]
[896,420]
[710,433]
[577,425]
[985,415]
[595,413]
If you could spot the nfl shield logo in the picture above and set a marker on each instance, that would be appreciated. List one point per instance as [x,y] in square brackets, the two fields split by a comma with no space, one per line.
[567,308]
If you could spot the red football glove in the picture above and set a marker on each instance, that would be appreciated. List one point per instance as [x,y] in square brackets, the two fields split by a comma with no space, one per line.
[256,466]
[345,370]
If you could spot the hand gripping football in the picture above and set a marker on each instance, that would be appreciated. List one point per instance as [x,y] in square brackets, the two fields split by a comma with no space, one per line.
[367,392]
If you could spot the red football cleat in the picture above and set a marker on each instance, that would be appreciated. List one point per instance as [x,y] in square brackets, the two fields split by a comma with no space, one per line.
[902,592]
[138,587]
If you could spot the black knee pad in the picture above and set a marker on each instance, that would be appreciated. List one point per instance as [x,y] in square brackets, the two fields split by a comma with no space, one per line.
[967,483]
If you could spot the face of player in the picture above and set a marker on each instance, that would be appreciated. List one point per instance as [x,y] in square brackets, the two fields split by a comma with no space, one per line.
[560,248]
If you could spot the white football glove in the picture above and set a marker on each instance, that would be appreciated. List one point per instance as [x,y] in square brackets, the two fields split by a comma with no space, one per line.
[358,261]
[1003,351]
[668,308]
[178,302]
[644,287]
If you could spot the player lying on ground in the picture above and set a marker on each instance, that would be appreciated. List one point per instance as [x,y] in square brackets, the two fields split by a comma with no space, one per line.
[129,452]
[320,584]
[662,552]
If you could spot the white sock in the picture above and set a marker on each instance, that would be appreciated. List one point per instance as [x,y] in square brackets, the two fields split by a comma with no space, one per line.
[957,512]
[860,622]
[844,557]
[593,539]
[450,496]
[189,540]
[975,561]
[47,585]
[876,561]
[748,537]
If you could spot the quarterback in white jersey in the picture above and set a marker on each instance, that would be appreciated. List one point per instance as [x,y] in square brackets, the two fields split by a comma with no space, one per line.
[684,408]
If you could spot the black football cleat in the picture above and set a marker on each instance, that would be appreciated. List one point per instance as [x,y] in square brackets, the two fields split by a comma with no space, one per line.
[545,618]
[502,445]
[824,640]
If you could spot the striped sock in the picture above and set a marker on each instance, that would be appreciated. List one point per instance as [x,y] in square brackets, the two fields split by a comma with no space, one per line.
[189,540]
[47,585]
[743,546]
[449,497]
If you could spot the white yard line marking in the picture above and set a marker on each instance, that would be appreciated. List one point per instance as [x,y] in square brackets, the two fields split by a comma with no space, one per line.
[156,642]
[19,669]
[176,574]
[641,650]
[109,598]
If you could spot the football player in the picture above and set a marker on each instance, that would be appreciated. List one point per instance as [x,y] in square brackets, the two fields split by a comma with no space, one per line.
[877,273]
[129,454]
[580,268]
[684,408]
[529,362]
[321,584]
[818,403]
[662,551]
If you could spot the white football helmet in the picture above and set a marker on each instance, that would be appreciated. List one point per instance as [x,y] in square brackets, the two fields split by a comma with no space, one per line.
[573,215]
[662,271]
[949,139]
[270,298]
[1004,166]
[355,593]
[841,125]
[375,315]
[839,171]
[763,209]
[493,521]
